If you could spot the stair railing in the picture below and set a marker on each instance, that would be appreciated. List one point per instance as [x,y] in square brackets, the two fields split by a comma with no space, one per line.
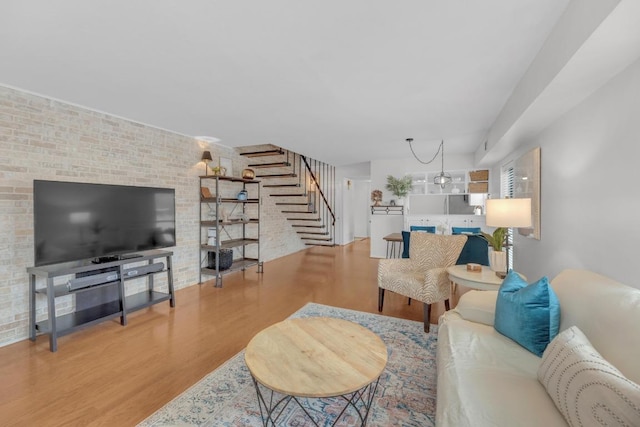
[321,194]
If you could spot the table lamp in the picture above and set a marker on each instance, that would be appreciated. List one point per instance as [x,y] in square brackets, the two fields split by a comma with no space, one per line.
[206,158]
[508,213]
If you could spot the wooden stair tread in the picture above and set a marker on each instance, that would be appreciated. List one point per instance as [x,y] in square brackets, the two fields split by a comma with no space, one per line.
[291,204]
[288,195]
[263,153]
[281,185]
[303,219]
[307,226]
[320,239]
[277,175]
[322,233]
[319,244]
[269,165]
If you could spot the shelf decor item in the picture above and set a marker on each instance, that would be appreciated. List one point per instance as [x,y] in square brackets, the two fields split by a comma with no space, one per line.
[399,187]
[248,174]
[227,164]
[376,197]
[219,171]
[226,259]
[205,193]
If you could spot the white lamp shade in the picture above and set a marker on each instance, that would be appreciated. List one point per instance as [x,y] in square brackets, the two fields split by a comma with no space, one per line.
[508,213]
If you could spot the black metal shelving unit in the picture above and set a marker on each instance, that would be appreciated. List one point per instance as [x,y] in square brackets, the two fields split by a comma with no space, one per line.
[247,230]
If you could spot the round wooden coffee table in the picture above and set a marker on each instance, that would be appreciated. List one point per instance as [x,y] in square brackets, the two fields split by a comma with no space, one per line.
[315,357]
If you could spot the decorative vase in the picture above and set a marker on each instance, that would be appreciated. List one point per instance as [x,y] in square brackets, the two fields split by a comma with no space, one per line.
[497,260]
[248,174]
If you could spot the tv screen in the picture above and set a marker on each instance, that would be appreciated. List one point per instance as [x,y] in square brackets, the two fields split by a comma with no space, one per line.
[75,221]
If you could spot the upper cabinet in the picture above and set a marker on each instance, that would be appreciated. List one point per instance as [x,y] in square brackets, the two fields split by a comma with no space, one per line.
[462,182]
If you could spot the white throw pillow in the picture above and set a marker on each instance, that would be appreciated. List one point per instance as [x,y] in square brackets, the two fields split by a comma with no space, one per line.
[478,306]
[587,389]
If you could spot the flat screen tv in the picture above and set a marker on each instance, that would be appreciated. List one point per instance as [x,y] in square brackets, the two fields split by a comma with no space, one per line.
[77,221]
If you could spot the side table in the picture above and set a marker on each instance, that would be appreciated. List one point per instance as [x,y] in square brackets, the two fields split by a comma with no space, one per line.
[394,245]
[485,280]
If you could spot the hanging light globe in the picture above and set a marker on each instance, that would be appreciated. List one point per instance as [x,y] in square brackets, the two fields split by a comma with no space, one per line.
[442,179]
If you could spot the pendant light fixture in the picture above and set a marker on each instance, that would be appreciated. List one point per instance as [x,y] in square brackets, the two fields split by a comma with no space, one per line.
[443,178]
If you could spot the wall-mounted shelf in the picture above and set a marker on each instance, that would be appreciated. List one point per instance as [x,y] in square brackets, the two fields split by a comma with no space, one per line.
[462,182]
[387,210]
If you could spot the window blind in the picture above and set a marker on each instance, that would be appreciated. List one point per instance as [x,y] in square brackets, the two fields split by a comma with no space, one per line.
[507,178]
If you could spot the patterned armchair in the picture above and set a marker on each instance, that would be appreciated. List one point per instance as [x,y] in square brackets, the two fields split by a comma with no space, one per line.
[423,276]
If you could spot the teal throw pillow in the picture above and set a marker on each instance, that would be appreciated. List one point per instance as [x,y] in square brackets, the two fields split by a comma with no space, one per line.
[465,230]
[425,228]
[406,239]
[475,250]
[528,314]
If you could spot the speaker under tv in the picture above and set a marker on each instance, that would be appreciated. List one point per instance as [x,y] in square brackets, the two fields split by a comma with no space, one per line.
[78,221]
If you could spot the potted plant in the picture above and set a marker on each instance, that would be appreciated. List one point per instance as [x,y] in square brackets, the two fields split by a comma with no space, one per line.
[497,256]
[399,187]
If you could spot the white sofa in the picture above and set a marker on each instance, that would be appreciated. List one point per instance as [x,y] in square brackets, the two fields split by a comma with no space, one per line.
[486,379]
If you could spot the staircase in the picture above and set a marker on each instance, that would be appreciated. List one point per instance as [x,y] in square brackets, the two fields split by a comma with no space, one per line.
[304,190]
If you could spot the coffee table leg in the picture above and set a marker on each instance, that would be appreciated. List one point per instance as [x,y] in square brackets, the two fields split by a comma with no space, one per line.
[270,409]
[364,397]
[267,409]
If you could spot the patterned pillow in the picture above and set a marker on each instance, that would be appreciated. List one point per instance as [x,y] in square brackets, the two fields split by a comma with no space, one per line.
[587,389]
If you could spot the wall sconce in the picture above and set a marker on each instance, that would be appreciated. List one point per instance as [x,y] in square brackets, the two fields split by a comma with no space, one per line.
[206,158]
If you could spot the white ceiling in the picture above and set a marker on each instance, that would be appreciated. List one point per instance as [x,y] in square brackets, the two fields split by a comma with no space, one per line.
[341,81]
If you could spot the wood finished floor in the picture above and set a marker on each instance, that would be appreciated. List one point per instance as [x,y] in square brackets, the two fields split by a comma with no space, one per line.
[110,375]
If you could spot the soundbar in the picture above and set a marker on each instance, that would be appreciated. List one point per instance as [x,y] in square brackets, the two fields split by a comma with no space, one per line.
[112,276]
[143,269]
[94,279]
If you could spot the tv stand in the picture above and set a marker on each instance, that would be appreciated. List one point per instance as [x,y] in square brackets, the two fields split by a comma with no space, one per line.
[106,291]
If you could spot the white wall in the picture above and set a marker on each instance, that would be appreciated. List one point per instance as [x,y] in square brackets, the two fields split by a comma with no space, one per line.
[361,212]
[589,197]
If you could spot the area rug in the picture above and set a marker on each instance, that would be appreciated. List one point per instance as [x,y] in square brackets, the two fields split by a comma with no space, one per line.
[406,394]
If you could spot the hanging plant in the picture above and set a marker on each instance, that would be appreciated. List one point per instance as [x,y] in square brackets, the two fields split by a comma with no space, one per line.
[399,187]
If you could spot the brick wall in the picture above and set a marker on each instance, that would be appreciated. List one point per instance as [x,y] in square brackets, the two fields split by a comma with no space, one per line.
[47,139]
